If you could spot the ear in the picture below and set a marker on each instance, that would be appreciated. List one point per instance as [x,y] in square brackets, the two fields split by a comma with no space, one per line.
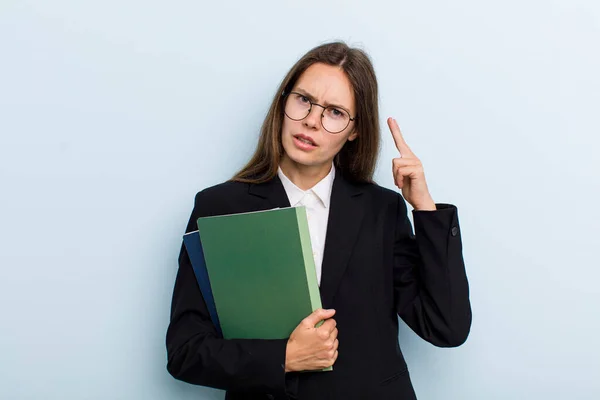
[353,135]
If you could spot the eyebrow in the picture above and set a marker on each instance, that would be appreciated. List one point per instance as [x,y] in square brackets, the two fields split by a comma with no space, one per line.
[312,98]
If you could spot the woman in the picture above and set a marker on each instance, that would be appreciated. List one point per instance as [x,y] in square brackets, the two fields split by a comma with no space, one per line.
[318,148]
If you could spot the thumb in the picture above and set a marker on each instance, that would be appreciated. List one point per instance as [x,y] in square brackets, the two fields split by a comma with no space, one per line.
[318,316]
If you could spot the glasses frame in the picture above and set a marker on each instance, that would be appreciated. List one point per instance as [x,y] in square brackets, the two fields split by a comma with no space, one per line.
[312,103]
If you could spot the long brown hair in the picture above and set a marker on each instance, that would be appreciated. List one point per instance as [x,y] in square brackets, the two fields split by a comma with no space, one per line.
[358,158]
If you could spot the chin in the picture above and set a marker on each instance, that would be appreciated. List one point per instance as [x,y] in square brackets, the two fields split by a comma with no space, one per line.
[299,157]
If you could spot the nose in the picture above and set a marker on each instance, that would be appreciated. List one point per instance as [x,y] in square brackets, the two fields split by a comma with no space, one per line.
[313,119]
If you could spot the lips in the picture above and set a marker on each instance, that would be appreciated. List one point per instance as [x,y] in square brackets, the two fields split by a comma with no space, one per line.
[305,138]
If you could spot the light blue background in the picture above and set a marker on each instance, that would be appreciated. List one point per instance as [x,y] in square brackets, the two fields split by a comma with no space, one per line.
[113,114]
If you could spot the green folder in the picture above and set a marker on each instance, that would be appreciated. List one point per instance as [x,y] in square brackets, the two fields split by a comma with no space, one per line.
[261,271]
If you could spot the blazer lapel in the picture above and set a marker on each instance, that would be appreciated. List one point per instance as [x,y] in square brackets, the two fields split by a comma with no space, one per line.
[272,191]
[345,217]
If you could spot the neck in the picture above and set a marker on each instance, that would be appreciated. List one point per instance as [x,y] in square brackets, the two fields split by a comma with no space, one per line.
[304,176]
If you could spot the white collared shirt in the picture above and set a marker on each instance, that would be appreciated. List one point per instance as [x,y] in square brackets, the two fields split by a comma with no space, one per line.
[317,201]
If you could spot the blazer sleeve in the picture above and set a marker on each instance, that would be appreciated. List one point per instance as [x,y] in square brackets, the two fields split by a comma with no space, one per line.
[197,354]
[431,290]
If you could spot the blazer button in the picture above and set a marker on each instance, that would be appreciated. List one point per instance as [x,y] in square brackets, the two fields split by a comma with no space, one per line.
[454,231]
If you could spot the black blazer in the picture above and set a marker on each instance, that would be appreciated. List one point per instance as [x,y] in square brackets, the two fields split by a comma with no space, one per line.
[374,269]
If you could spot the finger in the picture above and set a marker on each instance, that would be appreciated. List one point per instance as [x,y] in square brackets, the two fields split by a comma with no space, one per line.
[318,316]
[409,170]
[399,174]
[405,162]
[334,333]
[398,179]
[329,359]
[327,327]
[403,173]
[398,138]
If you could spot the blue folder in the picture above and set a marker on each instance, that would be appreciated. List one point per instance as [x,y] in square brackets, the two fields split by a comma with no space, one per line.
[194,250]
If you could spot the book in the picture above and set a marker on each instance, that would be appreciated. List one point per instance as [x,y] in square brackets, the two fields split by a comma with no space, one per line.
[261,271]
[193,247]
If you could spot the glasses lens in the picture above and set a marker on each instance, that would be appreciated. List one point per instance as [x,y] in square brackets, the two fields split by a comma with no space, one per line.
[335,119]
[297,106]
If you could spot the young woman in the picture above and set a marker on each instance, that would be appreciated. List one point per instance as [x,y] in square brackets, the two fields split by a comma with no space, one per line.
[318,148]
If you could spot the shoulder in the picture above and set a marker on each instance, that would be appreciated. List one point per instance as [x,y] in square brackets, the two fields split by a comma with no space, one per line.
[222,190]
[217,199]
[382,192]
[379,193]
[226,188]
[379,199]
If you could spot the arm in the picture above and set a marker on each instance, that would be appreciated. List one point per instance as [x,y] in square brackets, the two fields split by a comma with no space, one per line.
[430,283]
[197,355]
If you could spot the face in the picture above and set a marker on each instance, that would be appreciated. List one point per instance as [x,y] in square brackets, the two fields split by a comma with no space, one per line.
[329,86]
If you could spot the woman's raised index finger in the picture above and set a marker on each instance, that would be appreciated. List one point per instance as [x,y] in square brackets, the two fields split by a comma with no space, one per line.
[398,138]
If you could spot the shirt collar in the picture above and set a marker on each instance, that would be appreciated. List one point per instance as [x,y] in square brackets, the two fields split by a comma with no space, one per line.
[322,189]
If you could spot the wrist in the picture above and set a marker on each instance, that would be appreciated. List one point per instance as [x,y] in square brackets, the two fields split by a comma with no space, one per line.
[426,206]
[422,203]
[289,350]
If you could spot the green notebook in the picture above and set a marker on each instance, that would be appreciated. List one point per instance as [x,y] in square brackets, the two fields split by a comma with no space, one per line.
[261,270]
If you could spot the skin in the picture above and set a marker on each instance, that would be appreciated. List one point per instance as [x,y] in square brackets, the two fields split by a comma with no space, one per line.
[327,85]
[308,347]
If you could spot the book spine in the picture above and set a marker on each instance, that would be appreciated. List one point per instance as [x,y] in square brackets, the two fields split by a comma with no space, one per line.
[309,260]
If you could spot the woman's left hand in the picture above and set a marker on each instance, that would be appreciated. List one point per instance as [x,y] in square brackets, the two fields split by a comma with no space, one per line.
[408,173]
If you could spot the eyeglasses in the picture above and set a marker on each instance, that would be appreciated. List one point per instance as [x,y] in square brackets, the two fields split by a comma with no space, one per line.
[298,106]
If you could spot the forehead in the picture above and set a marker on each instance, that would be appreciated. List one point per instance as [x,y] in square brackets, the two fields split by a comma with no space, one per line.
[327,84]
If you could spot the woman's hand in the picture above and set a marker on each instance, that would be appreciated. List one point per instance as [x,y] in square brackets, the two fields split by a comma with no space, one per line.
[311,348]
[408,173]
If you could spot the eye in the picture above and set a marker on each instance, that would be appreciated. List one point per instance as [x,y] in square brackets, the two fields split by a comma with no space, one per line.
[302,99]
[336,113]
